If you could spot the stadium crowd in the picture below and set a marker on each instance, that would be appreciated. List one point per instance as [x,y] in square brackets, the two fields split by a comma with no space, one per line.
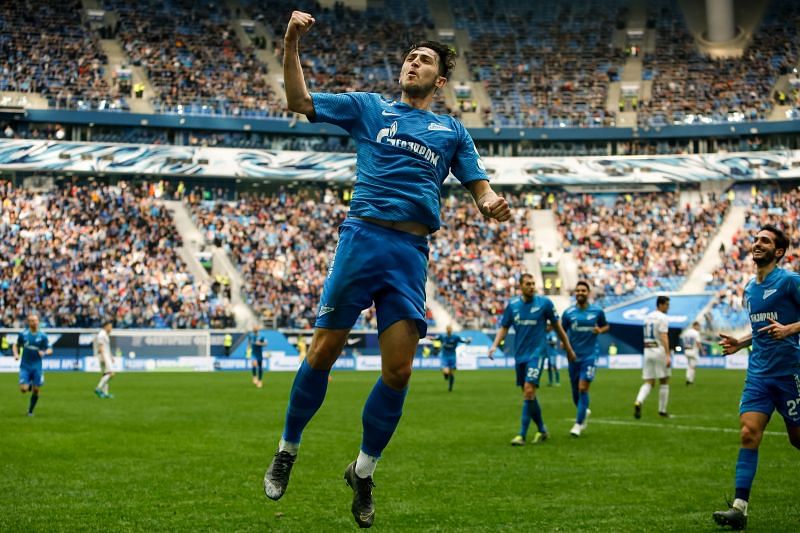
[543,65]
[475,263]
[281,243]
[80,254]
[691,87]
[770,206]
[634,244]
[193,58]
[46,49]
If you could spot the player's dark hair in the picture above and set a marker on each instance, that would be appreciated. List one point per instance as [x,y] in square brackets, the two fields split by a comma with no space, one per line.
[781,240]
[525,275]
[447,56]
[585,284]
[662,300]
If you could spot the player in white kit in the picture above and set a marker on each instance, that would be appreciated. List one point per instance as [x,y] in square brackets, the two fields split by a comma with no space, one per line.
[657,361]
[102,350]
[693,349]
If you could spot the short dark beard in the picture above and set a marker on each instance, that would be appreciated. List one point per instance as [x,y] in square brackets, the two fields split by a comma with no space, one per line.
[766,259]
[583,302]
[419,91]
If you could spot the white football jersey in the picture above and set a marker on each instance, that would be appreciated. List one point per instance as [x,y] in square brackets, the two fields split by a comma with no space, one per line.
[655,323]
[102,344]
[690,339]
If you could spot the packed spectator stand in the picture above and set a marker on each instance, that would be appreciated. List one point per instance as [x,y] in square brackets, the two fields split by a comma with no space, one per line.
[46,49]
[771,205]
[689,87]
[543,65]
[193,58]
[629,245]
[80,254]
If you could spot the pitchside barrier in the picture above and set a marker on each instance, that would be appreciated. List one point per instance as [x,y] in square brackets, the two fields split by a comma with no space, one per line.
[151,350]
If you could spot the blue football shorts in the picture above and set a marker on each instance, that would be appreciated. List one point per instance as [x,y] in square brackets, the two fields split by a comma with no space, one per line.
[765,395]
[583,369]
[375,264]
[448,361]
[31,376]
[530,371]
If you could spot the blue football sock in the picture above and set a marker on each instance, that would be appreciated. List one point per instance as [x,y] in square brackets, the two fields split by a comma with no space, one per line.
[380,417]
[575,391]
[306,397]
[745,472]
[558,376]
[260,370]
[452,379]
[526,418]
[583,405]
[34,399]
[549,375]
[536,414]
[253,369]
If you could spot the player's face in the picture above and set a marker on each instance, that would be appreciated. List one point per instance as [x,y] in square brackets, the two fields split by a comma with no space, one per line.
[528,287]
[449,330]
[33,323]
[581,294]
[763,249]
[419,75]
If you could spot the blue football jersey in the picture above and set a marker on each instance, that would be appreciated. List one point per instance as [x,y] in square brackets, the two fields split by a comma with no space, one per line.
[579,325]
[552,343]
[31,344]
[450,343]
[257,350]
[530,326]
[776,298]
[404,155]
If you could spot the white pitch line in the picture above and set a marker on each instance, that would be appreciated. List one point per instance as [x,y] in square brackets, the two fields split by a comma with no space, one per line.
[667,425]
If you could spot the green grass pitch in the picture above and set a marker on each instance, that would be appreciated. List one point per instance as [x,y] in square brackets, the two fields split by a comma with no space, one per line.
[187,452]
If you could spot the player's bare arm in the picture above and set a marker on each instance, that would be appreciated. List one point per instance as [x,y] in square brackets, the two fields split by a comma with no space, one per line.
[488,202]
[298,98]
[779,331]
[665,343]
[562,336]
[731,345]
[501,334]
[598,330]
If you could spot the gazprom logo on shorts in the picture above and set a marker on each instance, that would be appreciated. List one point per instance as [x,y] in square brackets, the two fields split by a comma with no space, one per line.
[387,135]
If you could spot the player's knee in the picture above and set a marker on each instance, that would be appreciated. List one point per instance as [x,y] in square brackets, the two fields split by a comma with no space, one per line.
[23,389]
[529,391]
[751,436]
[397,377]
[322,355]
[583,386]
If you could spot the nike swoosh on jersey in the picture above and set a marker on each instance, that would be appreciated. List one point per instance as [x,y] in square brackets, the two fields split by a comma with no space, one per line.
[769,292]
[324,310]
[386,113]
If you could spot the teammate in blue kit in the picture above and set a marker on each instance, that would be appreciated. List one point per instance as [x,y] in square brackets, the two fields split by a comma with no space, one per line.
[583,322]
[257,343]
[529,315]
[551,358]
[448,356]
[405,153]
[773,374]
[31,346]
